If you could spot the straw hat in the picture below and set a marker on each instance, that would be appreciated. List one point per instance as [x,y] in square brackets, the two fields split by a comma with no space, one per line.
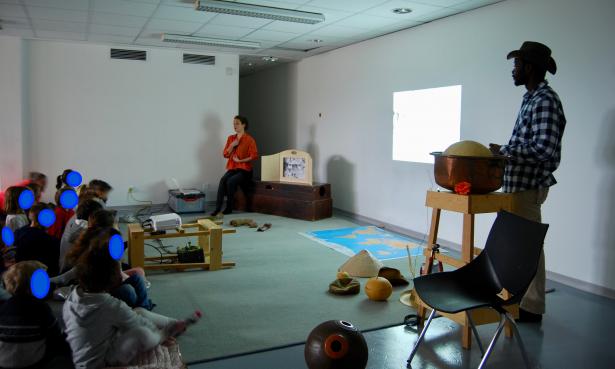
[345,286]
[408,298]
[363,264]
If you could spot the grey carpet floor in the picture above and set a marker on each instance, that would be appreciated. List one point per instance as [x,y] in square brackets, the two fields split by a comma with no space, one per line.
[274,296]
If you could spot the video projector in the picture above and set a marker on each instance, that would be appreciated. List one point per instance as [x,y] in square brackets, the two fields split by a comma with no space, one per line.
[165,221]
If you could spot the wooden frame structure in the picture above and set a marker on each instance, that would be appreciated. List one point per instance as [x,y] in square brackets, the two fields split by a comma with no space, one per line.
[469,206]
[208,233]
[273,167]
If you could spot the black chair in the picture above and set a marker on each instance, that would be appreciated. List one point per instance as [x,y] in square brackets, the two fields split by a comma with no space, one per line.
[508,263]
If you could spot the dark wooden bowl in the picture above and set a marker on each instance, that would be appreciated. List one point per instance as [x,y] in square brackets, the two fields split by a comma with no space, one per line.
[484,174]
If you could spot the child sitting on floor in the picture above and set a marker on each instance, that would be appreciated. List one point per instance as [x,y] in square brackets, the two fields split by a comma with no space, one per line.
[62,215]
[33,243]
[132,290]
[76,225]
[15,217]
[103,330]
[96,189]
[29,333]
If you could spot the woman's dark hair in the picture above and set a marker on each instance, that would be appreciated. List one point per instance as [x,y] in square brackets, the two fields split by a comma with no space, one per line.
[101,219]
[97,271]
[61,179]
[37,176]
[11,200]
[243,120]
[86,208]
[99,185]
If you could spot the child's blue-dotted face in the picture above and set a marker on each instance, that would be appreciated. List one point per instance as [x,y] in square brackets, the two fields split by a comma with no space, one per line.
[39,284]
[7,236]
[73,178]
[26,199]
[69,199]
[116,246]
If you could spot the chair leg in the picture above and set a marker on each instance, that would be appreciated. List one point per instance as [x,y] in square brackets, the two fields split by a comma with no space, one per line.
[493,340]
[421,336]
[518,337]
[478,341]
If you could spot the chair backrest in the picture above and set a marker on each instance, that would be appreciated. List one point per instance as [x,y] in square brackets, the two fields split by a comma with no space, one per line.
[513,249]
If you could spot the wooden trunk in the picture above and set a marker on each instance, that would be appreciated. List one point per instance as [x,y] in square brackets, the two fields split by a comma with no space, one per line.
[307,202]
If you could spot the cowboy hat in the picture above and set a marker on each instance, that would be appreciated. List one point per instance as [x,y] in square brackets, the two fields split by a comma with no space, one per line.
[535,53]
[393,275]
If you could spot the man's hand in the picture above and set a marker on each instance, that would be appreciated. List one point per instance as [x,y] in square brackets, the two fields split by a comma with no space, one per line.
[494,148]
[236,159]
[235,143]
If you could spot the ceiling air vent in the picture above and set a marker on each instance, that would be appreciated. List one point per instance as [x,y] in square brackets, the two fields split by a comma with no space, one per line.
[199,59]
[128,54]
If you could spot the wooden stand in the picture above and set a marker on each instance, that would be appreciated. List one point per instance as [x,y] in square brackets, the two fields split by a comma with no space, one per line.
[209,236]
[468,206]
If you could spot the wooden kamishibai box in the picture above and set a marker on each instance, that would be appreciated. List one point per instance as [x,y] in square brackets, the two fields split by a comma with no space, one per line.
[299,201]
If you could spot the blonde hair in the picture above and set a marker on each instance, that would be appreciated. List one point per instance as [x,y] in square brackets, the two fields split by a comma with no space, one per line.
[17,277]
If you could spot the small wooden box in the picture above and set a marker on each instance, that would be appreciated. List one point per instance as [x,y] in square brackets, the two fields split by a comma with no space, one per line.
[307,202]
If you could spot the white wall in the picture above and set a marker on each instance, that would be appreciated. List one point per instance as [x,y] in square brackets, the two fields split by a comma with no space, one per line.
[352,90]
[130,123]
[11,156]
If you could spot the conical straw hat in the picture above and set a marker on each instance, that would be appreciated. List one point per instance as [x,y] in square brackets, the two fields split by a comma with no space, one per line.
[363,264]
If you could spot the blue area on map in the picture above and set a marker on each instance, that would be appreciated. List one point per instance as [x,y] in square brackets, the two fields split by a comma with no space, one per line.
[370,238]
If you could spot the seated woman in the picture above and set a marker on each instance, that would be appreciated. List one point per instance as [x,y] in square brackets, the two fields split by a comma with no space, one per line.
[240,150]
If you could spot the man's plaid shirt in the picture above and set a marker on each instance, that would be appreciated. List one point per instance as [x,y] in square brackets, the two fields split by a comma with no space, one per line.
[535,146]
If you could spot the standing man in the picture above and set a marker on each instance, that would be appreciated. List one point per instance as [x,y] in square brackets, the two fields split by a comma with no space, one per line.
[534,152]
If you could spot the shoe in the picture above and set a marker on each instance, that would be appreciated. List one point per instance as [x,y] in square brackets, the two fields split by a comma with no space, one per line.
[227,211]
[241,222]
[528,317]
[215,213]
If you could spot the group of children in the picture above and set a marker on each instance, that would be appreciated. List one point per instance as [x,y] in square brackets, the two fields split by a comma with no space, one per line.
[107,316]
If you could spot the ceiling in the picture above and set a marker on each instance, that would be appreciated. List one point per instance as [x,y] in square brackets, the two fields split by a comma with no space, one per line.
[135,23]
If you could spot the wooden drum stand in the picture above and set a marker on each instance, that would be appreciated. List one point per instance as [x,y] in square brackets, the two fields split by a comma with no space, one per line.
[469,206]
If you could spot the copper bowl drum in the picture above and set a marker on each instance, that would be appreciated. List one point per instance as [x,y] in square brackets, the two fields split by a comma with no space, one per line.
[483,173]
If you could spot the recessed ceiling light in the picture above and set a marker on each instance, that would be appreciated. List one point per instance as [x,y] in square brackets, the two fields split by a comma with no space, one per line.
[316,40]
[270,58]
[250,64]
[401,10]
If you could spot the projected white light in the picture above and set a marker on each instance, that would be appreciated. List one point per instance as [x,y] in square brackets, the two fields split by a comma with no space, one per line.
[425,121]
